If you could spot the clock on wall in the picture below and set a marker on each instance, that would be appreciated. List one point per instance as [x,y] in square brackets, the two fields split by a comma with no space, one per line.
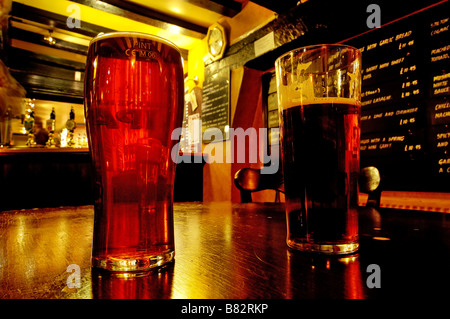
[217,41]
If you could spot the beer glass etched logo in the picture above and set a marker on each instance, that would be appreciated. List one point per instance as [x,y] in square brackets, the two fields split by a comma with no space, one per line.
[143,50]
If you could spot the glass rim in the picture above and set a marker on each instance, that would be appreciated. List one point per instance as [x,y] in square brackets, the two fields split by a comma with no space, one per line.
[309,47]
[135,34]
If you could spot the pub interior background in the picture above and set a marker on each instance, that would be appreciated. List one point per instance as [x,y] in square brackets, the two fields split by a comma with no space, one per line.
[405,93]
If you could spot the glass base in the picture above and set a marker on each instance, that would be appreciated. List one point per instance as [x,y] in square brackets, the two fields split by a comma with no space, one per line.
[324,248]
[141,263]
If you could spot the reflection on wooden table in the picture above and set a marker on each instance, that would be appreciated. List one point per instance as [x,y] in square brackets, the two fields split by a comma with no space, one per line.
[226,250]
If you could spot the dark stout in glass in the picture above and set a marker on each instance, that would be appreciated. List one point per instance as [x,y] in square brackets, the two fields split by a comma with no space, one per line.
[134,95]
[320,150]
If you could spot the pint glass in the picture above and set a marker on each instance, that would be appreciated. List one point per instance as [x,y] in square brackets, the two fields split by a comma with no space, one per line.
[134,96]
[319,91]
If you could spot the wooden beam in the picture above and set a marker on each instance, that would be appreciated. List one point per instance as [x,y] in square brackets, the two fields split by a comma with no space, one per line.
[45,83]
[141,14]
[16,55]
[51,96]
[19,34]
[60,89]
[54,20]
[227,8]
[278,6]
[46,77]
[46,70]
[33,66]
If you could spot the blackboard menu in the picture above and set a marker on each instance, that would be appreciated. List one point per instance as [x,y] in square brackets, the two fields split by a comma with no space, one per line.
[405,100]
[272,108]
[216,106]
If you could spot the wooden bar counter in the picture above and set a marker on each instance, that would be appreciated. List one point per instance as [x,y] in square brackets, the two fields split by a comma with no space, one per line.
[226,251]
[53,177]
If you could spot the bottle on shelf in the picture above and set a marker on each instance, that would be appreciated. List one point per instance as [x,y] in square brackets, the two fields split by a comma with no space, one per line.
[71,126]
[5,129]
[51,130]
[28,125]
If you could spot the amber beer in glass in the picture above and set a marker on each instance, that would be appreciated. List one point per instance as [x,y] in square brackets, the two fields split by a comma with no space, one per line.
[134,96]
[319,105]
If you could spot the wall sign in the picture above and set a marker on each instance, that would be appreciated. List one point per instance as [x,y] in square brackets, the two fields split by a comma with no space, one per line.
[405,101]
[216,105]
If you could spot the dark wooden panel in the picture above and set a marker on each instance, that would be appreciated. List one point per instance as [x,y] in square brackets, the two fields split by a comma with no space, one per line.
[31,67]
[45,179]
[227,8]
[52,96]
[188,184]
[34,83]
[46,77]
[18,56]
[278,6]
[27,63]
[56,177]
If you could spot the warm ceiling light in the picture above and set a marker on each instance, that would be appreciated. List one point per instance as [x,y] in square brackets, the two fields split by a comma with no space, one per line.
[50,39]
[175,9]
